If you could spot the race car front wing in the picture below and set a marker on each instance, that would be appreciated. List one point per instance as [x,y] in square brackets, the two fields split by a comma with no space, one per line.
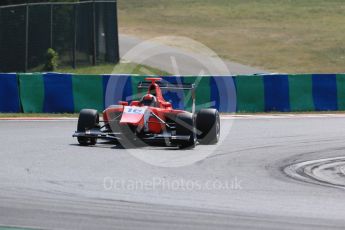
[96,133]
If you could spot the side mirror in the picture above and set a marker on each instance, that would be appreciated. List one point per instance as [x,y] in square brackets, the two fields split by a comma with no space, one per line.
[135,103]
[124,103]
[166,104]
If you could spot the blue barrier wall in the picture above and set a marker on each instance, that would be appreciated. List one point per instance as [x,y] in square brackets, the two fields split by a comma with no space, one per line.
[325,92]
[67,93]
[276,93]
[58,96]
[9,94]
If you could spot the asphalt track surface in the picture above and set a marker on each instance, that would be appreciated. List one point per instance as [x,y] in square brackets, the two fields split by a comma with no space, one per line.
[49,182]
[177,61]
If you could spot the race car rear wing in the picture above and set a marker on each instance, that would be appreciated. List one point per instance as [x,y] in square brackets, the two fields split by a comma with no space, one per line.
[168,85]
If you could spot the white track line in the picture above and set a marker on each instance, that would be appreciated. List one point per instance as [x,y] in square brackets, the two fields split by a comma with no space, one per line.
[38,119]
[223,117]
[281,116]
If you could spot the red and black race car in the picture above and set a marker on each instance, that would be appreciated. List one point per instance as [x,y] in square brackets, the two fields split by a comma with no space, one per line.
[151,121]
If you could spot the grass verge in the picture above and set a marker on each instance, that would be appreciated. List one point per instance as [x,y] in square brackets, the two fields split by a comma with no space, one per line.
[121,68]
[279,36]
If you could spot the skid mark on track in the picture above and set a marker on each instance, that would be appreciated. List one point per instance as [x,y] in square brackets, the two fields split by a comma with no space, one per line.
[327,172]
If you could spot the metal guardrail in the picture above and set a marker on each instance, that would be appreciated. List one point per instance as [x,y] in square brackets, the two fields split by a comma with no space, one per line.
[81,32]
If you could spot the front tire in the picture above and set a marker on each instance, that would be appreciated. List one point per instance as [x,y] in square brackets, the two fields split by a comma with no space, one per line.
[185,125]
[88,119]
[208,126]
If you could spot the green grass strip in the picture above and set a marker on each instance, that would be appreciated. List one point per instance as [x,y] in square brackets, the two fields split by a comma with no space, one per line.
[87,92]
[137,94]
[301,92]
[31,88]
[341,91]
[202,94]
[14,228]
[250,94]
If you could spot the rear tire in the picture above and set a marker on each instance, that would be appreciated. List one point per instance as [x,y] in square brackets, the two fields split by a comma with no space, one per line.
[208,126]
[185,125]
[88,119]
